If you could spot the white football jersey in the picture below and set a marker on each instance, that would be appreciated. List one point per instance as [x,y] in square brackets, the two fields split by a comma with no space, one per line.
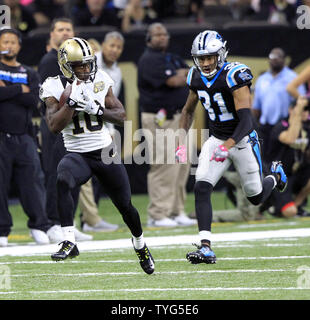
[85,132]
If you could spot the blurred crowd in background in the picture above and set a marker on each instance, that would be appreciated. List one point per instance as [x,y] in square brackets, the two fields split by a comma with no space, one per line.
[126,15]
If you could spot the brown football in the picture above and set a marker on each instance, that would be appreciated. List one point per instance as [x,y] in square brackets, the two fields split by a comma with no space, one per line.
[64,96]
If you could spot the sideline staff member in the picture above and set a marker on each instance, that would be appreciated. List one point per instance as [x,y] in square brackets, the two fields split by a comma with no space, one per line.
[163,92]
[19,159]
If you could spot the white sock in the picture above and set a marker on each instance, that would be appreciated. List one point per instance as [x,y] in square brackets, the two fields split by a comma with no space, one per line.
[69,233]
[138,242]
[205,235]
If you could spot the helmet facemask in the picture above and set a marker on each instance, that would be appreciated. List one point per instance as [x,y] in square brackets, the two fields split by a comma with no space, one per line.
[209,43]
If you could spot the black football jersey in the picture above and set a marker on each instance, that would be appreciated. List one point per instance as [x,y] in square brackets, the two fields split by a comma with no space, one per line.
[216,95]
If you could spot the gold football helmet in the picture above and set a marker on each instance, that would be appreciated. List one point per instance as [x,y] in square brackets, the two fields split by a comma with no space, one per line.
[76,51]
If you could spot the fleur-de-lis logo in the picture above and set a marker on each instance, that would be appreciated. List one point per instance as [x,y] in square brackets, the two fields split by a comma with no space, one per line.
[62,54]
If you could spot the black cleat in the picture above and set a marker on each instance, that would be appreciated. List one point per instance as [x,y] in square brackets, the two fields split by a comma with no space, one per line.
[68,249]
[279,174]
[204,254]
[146,259]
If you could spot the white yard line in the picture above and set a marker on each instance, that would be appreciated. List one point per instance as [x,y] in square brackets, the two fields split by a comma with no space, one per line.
[102,274]
[78,261]
[23,250]
[153,289]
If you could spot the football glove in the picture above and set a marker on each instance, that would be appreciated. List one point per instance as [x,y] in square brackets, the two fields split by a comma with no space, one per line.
[181,154]
[219,154]
[90,107]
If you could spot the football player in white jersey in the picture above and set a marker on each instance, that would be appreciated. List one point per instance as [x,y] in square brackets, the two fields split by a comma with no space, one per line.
[223,89]
[80,118]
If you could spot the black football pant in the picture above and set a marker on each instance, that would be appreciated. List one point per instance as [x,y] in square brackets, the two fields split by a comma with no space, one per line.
[76,169]
[20,164]
[53,150]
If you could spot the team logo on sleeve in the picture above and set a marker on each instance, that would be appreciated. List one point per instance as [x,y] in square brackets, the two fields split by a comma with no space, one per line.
[99,86]
[245,76]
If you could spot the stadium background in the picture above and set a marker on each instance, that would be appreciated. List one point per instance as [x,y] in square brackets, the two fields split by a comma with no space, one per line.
[248,41]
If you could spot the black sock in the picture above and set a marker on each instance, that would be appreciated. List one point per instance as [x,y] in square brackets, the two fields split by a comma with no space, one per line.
[203,205]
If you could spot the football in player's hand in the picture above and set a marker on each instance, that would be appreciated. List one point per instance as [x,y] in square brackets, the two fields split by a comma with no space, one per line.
[64,96]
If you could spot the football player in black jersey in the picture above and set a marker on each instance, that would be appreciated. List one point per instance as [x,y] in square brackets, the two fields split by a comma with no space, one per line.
[223,89]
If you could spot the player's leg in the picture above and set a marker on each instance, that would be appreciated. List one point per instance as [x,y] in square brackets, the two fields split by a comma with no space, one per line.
[207,175]
[72,171]
[247,160]
[115,181]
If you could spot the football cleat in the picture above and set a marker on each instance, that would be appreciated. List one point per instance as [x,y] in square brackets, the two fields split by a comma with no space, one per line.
[204,254]
[279,174]
[68,249]
[146,259]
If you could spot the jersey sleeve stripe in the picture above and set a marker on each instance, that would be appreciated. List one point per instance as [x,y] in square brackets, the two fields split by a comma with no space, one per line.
[189,76]
[230,75]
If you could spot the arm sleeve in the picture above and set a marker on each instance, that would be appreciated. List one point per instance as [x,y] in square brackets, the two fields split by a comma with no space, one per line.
[245,125]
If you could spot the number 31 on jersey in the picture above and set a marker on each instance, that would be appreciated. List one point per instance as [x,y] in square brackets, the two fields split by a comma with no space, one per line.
[224,115]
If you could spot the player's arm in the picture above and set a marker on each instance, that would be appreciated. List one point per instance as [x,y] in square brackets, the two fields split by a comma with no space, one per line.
[185,123]
[114,111]
[290,135]
[242,100]
[302,78]
[187,115]
[57,117]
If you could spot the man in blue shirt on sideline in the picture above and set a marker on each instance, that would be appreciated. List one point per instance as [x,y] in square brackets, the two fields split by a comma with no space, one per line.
[271,100]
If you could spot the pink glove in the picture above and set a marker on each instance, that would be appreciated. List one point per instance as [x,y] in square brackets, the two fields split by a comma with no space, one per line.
[219,154]
[181,154]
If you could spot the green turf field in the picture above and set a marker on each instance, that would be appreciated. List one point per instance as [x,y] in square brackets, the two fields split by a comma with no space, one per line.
[267,268]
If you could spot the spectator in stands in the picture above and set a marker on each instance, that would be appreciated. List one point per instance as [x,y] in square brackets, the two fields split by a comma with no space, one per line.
[47,10]
[136,15]
[163,91]
[196,10]
[53,148]
[95,44]
[271,101]
[290,144]
[303,79]
[282,12]
[19,159]
[95,13]
[21,17]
